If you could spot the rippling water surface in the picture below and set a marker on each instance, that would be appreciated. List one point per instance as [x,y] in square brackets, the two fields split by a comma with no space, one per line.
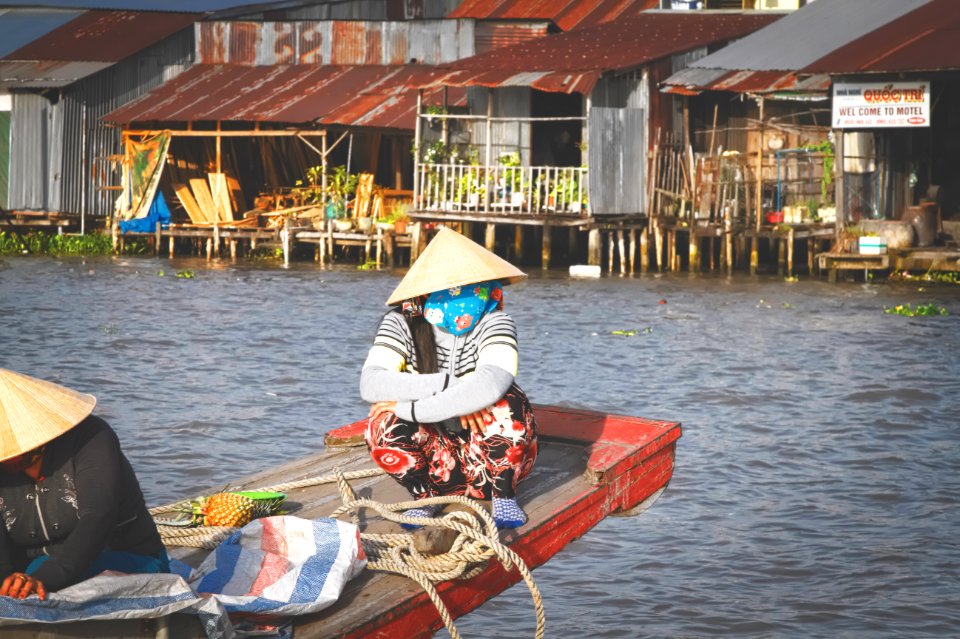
[817,480]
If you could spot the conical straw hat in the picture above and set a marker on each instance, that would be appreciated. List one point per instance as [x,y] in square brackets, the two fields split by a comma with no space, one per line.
[450,260]
[33,412]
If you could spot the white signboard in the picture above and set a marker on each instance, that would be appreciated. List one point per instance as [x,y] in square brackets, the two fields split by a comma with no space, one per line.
[873,105]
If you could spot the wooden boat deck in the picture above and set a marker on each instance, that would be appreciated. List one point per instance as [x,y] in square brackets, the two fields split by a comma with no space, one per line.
[589,466]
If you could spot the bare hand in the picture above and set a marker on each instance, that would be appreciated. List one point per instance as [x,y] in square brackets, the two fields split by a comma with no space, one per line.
[20,586]
[382,407]
[477,421]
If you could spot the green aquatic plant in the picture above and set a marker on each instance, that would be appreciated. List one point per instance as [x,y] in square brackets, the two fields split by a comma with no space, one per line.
[40,243]
[921,310]
[185,275]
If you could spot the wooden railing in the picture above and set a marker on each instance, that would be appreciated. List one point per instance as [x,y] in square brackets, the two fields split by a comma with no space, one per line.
[505,190]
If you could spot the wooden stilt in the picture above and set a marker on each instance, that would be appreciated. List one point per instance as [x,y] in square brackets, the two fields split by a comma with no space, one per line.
[622,250]
[390,245]
[811,250]
[644,251]
[490,237]
[610,257]
[233,249]
[170,246]
[671,249]
[781,255]
[594,247]
[728,242]
[754,255]
[285,243]
[415,242]
[209,248]
[572,234]
[156,240]
[633,248]
[330,247]
[545,252]
[322,248]
[693,263]
[379,248]
[790,253]
[518,242]
[658,245]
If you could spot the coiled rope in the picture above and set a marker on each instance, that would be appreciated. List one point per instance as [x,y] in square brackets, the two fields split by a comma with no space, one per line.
[477,541]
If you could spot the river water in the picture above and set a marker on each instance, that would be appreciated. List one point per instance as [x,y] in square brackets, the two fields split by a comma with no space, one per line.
[816,484]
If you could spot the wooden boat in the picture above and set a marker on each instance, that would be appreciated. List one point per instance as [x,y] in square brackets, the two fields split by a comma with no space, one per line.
[590,465]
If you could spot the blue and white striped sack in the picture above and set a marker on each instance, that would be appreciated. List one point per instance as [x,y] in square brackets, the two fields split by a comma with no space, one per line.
[282,566]
[275,566]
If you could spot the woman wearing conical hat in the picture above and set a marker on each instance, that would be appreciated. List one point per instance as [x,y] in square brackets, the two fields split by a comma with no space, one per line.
[70,502]
[447,417]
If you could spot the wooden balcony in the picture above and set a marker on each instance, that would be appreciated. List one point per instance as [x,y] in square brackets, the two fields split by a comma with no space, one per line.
[502,191]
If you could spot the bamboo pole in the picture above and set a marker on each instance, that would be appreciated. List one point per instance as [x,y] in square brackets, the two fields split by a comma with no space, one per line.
[754,246]
[545,251]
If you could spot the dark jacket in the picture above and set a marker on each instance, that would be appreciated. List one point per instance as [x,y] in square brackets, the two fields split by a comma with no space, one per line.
[86,500]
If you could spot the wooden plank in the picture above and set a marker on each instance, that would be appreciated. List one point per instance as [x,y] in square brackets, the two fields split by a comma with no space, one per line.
[221,196]
[236,194]
[196,214]
[201,191]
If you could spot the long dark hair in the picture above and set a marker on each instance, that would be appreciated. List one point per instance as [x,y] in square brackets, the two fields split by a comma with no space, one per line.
[424,345]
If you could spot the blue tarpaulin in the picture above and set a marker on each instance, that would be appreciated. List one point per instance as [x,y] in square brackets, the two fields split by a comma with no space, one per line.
[159,212]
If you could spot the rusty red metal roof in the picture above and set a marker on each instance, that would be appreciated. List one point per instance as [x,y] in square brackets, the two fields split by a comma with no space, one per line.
[692,81]
[103,36]
[379,96]
[566,14]
[922,40]
[572,62]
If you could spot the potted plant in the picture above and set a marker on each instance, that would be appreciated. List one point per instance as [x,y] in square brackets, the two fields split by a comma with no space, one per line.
[340,186]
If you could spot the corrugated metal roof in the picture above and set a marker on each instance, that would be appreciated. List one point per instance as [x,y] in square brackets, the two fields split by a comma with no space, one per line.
[802,37]
[692,81]
[566,14]
[45,74]
[922,40]
[51,48]
[572,62]
[20,27]
[377,96]
[102,36]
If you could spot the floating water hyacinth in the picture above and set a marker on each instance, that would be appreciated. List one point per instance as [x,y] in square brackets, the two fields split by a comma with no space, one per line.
[185,275]
[921,310]
[631,332]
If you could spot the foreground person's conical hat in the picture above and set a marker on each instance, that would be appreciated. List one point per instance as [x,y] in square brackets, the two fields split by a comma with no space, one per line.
[450,260]
[34,412]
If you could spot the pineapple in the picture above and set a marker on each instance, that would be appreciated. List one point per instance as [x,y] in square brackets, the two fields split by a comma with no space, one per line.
[224,509]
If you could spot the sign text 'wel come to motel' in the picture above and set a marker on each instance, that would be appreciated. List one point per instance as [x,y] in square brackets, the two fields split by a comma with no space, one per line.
[872,105]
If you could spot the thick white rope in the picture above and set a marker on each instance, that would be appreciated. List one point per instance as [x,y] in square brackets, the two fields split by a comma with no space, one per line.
[477,541]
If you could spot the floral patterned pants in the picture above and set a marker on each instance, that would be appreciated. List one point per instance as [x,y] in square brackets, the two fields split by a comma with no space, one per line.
[430,461]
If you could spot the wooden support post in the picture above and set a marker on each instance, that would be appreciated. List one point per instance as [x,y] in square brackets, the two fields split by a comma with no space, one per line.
[811,250]
[156,240]
[671,249]
[754,255]
[209,248]
[658,245]
[489,239]
[233,248]
[790,253]
[728,241]
[379,248]
[518,242]
[594,247]
[610,256]
[693,263]
[415,242]
[545,252]
[170,245]
[330,246]
[633,248]
[644,251]
[781,255]
[390,246]
[322,248]
[572,234]
[216,240]
[285,243]
[622,250]
[366,250]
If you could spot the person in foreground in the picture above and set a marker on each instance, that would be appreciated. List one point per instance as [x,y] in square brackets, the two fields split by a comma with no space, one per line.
[70,502]
[447,417]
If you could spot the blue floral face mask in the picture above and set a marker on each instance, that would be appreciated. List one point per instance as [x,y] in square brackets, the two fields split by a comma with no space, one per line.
[457,310]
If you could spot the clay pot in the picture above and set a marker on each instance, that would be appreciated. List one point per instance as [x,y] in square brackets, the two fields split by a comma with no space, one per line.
[923,219]
[899,235]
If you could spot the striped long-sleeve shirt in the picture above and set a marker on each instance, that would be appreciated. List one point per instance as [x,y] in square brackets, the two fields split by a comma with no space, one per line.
[476,368]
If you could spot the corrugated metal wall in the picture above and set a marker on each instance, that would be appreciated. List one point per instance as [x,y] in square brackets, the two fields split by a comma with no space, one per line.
[332,42]
[36,135]
[365,10]
[618,160]
[4,156]
[75,147]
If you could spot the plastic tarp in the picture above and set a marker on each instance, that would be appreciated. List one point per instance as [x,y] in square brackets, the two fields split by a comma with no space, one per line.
[158,212]
[279,566]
